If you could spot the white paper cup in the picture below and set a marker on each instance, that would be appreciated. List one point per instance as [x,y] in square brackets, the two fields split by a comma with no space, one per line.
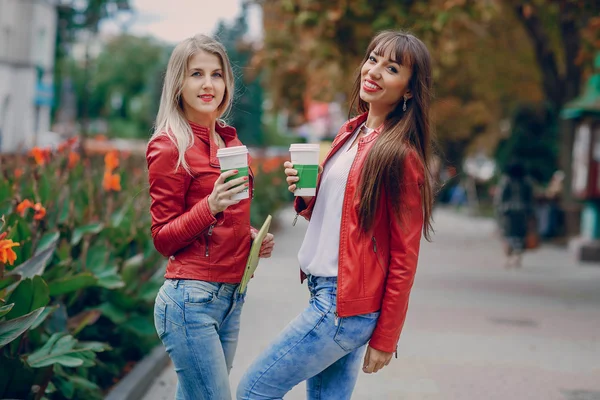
[235,158]
[305,158]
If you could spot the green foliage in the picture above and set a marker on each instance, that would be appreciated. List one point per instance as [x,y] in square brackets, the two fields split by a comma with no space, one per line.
[247,111]
[125,84]
[76,307]
[270,192]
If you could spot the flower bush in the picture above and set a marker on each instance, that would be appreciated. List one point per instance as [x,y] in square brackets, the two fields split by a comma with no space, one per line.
[270,192]
[78,272]
[78,269]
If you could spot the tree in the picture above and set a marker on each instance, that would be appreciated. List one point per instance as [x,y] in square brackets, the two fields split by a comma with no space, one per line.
[125,84]
[483,70]
[314,48]
[247,111]
[74,18]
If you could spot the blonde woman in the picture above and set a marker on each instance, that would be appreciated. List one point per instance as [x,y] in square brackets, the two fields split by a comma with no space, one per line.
[204,233]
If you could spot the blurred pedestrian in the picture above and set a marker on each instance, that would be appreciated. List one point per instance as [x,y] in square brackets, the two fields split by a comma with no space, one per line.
[360,252]
[514,203]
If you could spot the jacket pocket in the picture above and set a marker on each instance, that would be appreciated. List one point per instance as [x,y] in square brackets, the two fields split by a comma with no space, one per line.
[375,251]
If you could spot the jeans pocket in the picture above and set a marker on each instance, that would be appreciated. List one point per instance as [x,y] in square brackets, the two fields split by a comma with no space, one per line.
[353,332]
[200,292]
[160,316]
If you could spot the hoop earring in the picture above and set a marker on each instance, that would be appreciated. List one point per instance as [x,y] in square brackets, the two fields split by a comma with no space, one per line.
[404,106]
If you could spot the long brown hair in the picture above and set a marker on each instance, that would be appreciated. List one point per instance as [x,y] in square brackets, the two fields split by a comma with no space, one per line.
[403,132]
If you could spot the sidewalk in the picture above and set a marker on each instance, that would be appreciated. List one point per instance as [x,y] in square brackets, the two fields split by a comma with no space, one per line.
[475,331]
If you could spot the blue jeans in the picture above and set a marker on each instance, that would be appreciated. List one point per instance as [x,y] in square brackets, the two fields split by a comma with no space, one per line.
[198,323]
[316,347]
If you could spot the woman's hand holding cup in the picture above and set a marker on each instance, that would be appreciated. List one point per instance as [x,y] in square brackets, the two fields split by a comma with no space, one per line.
[220,198]
[292,178]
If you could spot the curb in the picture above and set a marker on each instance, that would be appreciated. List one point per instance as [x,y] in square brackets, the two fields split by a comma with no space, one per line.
[137,382]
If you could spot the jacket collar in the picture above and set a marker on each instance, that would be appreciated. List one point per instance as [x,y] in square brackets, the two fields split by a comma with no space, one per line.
[355,122]
[227,133]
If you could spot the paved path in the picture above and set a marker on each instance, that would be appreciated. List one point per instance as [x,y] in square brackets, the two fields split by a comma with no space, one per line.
[475,331]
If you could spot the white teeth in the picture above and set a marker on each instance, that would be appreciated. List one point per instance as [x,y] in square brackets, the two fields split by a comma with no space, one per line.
[370,85]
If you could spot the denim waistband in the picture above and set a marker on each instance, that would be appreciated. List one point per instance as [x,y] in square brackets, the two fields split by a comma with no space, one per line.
[219,288]
[316,283]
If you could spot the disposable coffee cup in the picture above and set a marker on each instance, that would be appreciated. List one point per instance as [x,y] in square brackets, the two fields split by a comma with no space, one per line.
[235,158]
[305,158]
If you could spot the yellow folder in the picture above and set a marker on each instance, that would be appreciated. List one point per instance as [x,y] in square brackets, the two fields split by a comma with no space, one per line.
[252,262]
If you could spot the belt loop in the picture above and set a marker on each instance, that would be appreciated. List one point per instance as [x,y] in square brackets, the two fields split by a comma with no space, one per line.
[175,283]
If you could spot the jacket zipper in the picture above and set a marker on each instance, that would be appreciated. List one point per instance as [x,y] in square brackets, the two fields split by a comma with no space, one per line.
[337,318]
[207,239]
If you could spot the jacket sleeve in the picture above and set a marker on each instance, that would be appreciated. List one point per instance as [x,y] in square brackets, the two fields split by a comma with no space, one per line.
[405,239]
[303,209]
[173,227]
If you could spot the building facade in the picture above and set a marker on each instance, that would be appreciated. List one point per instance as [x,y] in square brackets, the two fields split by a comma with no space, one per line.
[27,43]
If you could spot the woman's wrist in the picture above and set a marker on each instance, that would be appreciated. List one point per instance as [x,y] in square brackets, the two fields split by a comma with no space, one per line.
[307,199]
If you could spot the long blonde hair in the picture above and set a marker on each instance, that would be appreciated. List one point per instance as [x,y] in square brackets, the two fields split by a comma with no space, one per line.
[171,120]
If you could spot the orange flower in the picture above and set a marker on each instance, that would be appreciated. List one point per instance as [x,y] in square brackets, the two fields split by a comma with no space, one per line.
[73,159]
[24,206]
[111,182]
[40,155]
[101,138]
[67,144]
[271,165]
[111,160]
[18,173]
[7,254]
[40,212]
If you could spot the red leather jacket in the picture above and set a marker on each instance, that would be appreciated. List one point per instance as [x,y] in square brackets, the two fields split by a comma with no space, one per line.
[199,245]
[376,269]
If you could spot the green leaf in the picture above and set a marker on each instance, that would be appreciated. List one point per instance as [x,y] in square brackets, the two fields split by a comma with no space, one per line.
[117,218]
[49,240]
[96,257]
[72,283]
[130,270]
[45,314]
[57,350]
[109,278]
[148,291]
[8,280]
[64,210]
[64,251]
[140,325]
[110,311]
[29,295]
[82,383]
[85,230]
[10,330]
[37,264]
[63,349]
[6,309]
